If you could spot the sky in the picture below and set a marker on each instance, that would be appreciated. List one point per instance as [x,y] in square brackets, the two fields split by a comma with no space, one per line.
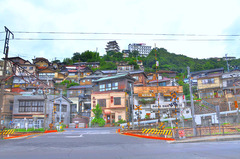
[196,26]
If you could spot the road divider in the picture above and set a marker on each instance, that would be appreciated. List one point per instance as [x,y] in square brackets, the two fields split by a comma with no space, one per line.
[7,132]
[149,137]
[157,132]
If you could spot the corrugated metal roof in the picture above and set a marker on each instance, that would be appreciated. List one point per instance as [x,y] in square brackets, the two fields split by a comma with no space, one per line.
[205,71]
[108,71]
[111,77]
[80,87]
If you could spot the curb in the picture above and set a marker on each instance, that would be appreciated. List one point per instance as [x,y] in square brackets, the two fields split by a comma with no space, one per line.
[50,131]
[213,139]
[13,137]
[149,137]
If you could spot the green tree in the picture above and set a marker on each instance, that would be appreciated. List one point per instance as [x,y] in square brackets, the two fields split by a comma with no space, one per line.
[136,67]
[67,61]
[97,111]
[76,57]
[89,56]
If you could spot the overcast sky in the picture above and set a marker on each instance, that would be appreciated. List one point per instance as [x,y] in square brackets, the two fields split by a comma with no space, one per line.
[198,17]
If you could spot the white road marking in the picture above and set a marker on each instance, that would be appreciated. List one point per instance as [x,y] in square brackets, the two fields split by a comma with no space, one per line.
[74,136]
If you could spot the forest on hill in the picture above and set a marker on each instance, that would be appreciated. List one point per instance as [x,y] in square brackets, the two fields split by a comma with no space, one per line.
[167,61]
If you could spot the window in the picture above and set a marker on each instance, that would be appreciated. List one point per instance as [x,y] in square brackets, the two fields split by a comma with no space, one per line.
[114,85]
[167,99]
[63,108]
[119,117]
[208,81]
[102,102]
[30,68]
[162,84]
[102,87]
[108,86]
[117,101]
[83,81]
[31,106]
[135,77]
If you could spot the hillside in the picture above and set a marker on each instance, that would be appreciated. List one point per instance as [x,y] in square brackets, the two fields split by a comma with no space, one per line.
[179,63]
[167,61]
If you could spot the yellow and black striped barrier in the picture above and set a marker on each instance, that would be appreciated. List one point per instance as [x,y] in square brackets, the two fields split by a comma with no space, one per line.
[7,132]
[157,132]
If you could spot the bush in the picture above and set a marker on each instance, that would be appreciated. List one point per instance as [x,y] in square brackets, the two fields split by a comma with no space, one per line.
[121,121]
[30,130]
[98,122]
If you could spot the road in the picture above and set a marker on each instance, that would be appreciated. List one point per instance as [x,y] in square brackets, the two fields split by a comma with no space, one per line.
[107,144]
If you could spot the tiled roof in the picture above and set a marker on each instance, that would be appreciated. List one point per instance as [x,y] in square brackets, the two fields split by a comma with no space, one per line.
[80,87]
[205,71]
[112,77]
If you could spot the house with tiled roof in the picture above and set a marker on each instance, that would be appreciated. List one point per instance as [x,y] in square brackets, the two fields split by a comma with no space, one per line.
[112,95]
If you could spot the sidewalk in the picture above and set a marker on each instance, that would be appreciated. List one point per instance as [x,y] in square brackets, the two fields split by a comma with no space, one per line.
[206,139]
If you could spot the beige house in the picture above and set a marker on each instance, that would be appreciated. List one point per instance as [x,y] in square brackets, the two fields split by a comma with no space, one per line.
[112,95]
[210,86]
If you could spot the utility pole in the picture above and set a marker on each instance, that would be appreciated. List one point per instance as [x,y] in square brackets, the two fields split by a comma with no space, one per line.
[132,102]
[236,104]
[227,62]
[157,64]
[45,109]
[192,104]
[60,107]
[5,51]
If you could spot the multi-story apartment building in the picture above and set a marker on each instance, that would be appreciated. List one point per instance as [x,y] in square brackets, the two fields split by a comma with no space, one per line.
[141,48]
[111,93]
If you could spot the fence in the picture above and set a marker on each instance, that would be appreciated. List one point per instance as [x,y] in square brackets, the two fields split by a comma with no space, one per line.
[211,130]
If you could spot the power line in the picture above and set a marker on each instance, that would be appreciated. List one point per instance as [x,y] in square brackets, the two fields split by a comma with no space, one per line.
[103,33]
[76,39]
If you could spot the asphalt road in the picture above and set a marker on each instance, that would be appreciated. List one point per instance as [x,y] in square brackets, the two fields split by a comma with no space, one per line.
[105,143]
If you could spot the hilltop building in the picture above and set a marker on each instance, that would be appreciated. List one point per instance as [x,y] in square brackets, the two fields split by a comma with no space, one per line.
[141,48]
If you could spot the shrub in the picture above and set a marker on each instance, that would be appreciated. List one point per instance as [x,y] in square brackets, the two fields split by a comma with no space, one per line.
[98,122]
[121,121]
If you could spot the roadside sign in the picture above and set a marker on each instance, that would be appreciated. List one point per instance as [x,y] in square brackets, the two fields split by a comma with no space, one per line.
[138,107]
[236,104]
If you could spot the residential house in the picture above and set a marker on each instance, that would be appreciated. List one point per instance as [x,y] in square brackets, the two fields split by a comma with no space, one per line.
[125,53]
[29,110]
[81,95]
[153,80]
[231,82]
[105,72]
[140,78]
[112,94]
[153,98]
[124,67]
[76,72]
[88,64]
[7,109]
[204,73]
[210,85]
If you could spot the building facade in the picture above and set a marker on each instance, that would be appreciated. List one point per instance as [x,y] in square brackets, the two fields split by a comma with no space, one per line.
[141,48]
[112,95]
